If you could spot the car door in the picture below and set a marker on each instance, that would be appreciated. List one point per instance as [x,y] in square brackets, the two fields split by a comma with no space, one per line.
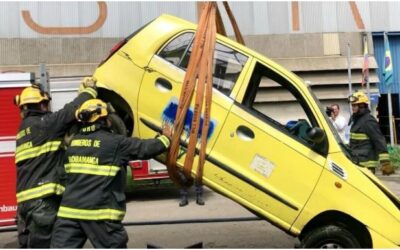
[162,83]
[267,162]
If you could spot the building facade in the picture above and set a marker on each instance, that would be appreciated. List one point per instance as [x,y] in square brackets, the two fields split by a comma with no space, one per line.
[313,39]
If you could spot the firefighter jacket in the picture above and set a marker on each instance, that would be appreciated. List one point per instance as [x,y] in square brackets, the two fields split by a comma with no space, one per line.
[95,163]
[39,154]
[367,143]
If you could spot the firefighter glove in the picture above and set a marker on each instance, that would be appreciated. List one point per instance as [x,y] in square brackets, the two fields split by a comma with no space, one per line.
[88,85]
[387,168]
[167,131]
[89,82]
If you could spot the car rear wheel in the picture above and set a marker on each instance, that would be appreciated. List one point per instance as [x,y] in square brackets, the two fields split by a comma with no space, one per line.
[330,237]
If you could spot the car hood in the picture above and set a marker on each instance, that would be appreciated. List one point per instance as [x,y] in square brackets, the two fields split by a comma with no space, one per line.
[378,183]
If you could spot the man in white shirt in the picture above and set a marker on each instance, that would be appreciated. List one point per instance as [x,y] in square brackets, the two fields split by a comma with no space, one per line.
[339,122]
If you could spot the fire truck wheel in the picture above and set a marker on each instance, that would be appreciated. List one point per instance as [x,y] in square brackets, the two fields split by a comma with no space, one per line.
[117,125]
[330,237]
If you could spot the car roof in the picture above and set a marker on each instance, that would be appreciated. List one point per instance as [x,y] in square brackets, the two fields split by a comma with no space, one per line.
[181,25]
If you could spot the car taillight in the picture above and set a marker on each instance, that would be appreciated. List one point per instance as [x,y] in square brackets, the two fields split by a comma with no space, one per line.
[138,164]
[114,49]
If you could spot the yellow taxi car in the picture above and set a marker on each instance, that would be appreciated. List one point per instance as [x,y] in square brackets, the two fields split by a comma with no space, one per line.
[292,171]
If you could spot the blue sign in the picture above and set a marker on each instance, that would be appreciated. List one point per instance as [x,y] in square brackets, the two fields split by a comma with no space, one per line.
[169,114]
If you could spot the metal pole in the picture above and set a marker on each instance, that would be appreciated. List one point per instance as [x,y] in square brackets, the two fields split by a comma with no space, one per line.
[44,78]
[368,89]
[349,71]
[369,94]
[44,81]
[390,116]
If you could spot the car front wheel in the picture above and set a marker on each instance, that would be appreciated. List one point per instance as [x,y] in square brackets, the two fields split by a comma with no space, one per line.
[330,237]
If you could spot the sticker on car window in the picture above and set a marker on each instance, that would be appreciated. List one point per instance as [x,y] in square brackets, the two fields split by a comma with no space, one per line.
[262,165]
[169,113]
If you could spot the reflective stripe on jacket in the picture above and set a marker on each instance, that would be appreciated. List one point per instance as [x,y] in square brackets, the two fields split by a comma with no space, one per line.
[39,154]
[96,163]
[40,191]
[367,143]
[25,153]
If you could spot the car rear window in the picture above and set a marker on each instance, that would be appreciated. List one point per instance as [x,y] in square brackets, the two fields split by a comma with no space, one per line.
[174,51]
[227,66]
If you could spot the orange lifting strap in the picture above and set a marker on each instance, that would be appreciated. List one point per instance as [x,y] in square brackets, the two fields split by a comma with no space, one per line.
[200,71]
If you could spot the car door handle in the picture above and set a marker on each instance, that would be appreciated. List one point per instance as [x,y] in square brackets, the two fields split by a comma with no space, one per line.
[163,85]
[245,133]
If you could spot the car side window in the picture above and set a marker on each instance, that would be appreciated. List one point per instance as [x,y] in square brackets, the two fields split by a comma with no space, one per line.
[227,66]
[272,98]
[173,52]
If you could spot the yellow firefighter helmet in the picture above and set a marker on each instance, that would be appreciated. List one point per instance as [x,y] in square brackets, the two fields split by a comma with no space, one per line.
[358,97]
[31,95]
[91,110]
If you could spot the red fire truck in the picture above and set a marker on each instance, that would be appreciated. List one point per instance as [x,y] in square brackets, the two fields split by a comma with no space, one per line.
[11,84]
[145,173]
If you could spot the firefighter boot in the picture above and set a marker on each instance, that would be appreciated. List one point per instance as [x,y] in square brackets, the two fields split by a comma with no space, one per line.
[199,199]
[184,197]
[184,201]
[199,194]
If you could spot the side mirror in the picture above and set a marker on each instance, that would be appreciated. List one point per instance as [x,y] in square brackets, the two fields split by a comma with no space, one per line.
[316,135]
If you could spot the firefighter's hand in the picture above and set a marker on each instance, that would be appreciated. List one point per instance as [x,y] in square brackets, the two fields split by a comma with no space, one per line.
[88,85]
[89,82]
[167,131]
[387,168]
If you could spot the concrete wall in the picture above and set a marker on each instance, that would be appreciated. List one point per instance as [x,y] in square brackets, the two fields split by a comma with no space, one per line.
[304,45]
[62,53]
[21,19]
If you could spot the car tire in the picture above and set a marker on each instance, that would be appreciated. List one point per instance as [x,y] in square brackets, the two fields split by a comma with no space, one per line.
[117,124]
[329,237]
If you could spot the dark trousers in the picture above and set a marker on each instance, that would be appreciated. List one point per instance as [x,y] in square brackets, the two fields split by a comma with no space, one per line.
[69,233]
[198,187]
[35,220]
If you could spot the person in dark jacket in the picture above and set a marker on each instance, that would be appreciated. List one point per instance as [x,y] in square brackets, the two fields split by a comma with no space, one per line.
[39,158]
[367,143]
[93,204]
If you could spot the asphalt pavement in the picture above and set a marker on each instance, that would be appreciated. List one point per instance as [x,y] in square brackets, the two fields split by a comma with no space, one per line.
[221,223]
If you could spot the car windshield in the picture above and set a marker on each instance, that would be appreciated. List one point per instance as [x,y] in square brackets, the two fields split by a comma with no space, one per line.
[343,146]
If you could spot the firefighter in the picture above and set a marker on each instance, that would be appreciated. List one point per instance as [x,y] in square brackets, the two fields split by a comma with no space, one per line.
[93,204]
[39,158]
[367,143]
